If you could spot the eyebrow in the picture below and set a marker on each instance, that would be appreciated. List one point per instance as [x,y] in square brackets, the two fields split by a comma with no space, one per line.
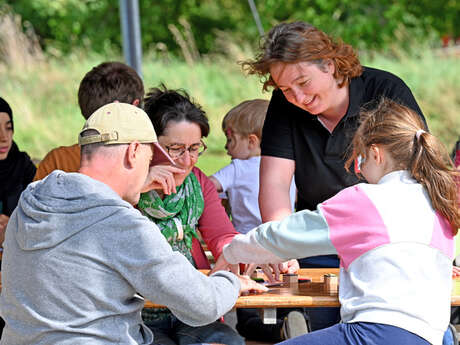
[182,144]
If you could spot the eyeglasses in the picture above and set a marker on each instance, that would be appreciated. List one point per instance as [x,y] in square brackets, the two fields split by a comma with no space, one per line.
[176,151]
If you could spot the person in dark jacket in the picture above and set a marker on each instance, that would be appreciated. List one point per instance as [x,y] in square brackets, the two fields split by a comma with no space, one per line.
[16,168]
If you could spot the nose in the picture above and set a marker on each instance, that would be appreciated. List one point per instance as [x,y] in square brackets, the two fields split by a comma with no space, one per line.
[2,134]
[299,96]
[186,159]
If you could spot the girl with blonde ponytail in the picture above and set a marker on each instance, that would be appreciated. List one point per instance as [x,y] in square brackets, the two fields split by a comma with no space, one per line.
[394,235]
[401,132]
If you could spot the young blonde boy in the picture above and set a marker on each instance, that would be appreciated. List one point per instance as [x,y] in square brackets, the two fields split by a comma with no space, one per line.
[240,179]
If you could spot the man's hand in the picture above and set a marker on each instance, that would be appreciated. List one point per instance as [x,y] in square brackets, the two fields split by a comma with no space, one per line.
[162,177]
[248,285]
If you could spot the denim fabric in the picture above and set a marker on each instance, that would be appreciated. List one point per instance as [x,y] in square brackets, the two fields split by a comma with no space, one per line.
[358,333]
[322,317]
[448,338]
[172,331]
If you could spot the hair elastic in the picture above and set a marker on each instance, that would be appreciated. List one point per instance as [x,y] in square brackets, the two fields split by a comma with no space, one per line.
[419,133]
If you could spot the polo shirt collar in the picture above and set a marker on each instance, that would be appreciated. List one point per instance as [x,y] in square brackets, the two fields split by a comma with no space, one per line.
[356,95]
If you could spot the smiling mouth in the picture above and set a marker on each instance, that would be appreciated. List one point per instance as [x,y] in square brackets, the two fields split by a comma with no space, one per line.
[309,102]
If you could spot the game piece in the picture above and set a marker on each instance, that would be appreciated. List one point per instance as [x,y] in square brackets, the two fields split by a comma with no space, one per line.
[331,282]
[290,278]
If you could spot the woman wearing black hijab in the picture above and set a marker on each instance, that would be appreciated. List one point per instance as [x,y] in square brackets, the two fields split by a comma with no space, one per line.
[16,168]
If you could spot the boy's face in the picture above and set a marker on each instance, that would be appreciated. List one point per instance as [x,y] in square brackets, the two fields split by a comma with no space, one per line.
[237,146]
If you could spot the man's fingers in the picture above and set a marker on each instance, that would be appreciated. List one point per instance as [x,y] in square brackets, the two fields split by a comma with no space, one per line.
[247,285]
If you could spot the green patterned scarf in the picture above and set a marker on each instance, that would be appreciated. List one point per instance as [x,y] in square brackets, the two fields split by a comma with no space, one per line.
[177,214]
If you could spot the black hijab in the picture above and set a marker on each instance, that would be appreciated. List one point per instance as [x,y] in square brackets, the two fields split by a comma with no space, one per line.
[16,171]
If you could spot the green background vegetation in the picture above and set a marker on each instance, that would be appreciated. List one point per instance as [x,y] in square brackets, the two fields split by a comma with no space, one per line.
[65,24]
[41,72]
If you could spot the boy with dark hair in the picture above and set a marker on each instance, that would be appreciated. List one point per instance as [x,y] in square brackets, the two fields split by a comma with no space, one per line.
[108,82]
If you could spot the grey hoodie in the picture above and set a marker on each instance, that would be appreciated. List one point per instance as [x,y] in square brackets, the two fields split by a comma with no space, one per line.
[76,256]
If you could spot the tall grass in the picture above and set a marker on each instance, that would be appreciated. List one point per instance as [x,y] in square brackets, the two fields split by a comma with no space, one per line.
[43,93]
[434,78]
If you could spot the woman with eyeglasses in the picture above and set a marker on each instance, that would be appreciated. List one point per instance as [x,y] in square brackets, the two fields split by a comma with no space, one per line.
[194,206]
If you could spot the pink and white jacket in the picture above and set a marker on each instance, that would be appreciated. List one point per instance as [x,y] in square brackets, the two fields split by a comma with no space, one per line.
[396,252]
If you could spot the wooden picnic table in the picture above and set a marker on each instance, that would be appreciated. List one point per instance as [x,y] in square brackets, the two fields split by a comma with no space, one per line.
[312,294]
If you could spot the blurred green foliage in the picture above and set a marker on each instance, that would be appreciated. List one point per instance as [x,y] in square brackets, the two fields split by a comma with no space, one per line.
[63,25]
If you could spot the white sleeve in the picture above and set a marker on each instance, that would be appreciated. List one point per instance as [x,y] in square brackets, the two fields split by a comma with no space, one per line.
[302,234]
[226,176]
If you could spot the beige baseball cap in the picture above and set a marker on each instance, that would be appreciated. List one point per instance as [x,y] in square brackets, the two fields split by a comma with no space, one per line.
[122,123]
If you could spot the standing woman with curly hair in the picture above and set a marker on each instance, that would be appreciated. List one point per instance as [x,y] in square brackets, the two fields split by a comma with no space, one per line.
[319,87]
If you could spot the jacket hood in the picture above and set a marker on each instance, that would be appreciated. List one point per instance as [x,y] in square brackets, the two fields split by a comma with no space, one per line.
[61,205]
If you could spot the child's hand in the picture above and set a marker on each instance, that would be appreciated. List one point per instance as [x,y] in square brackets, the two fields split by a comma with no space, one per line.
[289,267]
[223,265]
[270,270]
[246,283]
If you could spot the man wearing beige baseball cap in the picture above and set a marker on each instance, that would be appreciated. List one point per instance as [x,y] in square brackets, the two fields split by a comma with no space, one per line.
[78,255]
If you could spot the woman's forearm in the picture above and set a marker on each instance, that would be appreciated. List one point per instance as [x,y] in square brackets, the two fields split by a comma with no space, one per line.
[275,182]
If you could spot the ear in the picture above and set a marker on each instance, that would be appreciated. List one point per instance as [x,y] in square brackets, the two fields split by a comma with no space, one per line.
[377,154]
[254,140]
[131,154]
[330,66]
[136,102]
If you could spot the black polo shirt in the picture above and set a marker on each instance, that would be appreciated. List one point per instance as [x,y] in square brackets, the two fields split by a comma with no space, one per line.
[292,133]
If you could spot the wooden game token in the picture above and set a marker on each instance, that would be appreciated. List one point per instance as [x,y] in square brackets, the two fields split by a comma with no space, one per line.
[331,282]
[290,278]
